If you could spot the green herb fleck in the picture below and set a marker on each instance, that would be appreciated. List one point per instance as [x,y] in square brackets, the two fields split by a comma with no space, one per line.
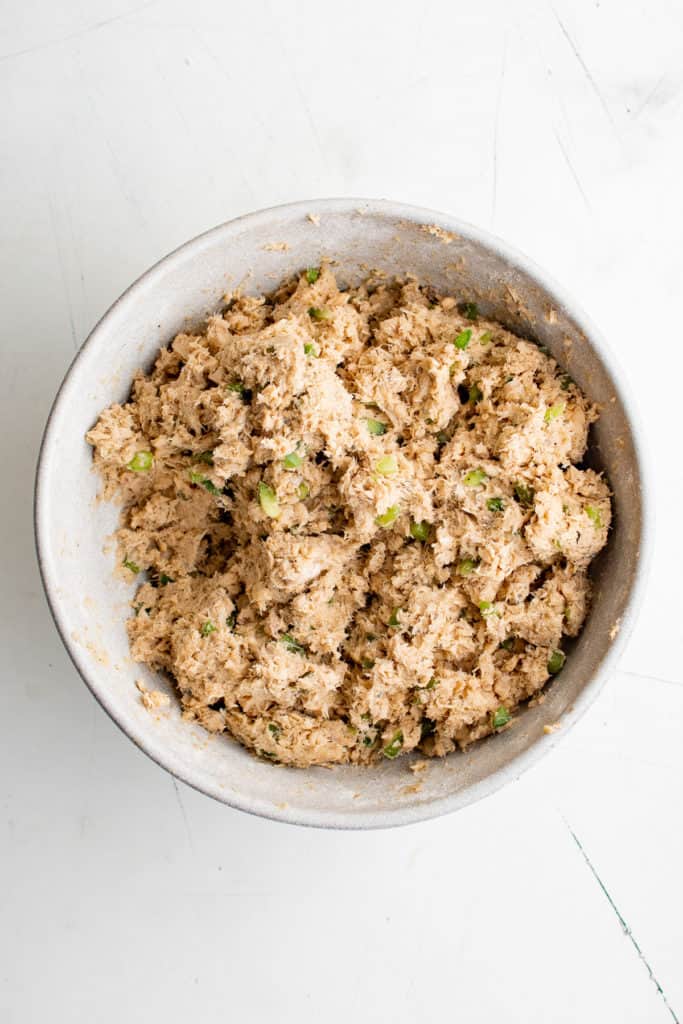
[318,313]
[206,457]
[467,566]
[500,717]
[385,519]
[394,620]
[566,382]
[419,531]
[594,513]
[475,394]
[309,349]
[133,566]
[487,608]
[442,438]
[292,645]
[556,662]
[274,730]
[463,339]
[367,664]
[495,505]
[312,274]
[432,683]
[268,500]
[376,427]
[508,643]
[485,337]
[303,490]
[475,478]
[393,748]
[164,579]
[237,386]
[207,628]
[524,494]
[141,462]
[231,621]
[292,461]
[469,310]
[199,478]
[553,411]
[386,466]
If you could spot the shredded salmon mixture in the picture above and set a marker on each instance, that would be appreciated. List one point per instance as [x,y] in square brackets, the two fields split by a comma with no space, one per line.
[359,517]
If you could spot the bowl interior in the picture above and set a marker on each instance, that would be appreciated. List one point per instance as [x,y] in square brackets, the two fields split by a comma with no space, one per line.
[73,528]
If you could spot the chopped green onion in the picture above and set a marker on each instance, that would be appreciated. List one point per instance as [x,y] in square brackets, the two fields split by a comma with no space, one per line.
[141,462]
[387,518]
[500,717]
[475,478]
[303,490]
[207,628]
[393,748]
[467,566]
[469,310]
[485,337]
[432,683]
[386,466]
[309,349]
[525,494]
[463,339]
[292,645]
[475,394]
[292,461]
[376,427]
[312,274]
[199,478]
[268,500]
[594,513]
[419,531]
[556,661]
[133,566]
[317,313]
[495,505]
[553,411]
[487,608]
[393,620]
[274,730]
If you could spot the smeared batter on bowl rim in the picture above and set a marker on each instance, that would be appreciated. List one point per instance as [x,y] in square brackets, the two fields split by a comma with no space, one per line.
[359,516]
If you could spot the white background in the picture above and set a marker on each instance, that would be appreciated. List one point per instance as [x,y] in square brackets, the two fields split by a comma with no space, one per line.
[128,128]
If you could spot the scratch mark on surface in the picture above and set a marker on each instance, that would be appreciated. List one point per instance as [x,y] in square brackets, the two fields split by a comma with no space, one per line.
[584,66]
[625,928]
[496,126]
[183,814]
[572,170]
[650,95]
[79,33]
[62,269]
[656,679]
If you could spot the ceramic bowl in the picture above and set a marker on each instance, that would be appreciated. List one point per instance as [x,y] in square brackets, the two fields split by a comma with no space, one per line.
[257,251]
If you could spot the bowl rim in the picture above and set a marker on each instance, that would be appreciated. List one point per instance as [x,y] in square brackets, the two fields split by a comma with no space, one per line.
[513,769]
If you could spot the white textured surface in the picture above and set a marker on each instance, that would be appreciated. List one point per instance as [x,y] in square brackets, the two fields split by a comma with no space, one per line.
[127,129]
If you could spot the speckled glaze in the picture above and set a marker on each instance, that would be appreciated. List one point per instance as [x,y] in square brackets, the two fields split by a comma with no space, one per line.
[89,605]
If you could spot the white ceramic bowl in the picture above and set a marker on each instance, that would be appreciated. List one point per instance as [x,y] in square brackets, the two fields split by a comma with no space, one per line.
[89,605]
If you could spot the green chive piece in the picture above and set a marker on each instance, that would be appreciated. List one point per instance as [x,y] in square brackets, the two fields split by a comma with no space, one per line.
[432,683]
[393,748]
[387,518]
[303,490]
[594,513]
[524,494]
[500,717]
[495,505]
[237,386]
[268,500]
[274,730]
[469,310]
[292,645]
[394,620]
[132,566]
[485,337]
[312,274]
[207,628]
[309,350]
[141,462]
[386,466]
[467,566]
[556,662]
[475,394]
[463,339]
[475,478]
[376,427]
[553,411]
[317,313]
[199,478]
[487,608]
[292,461]
[419,531]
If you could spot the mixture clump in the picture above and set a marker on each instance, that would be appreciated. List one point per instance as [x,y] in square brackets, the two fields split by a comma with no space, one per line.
[360,518]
